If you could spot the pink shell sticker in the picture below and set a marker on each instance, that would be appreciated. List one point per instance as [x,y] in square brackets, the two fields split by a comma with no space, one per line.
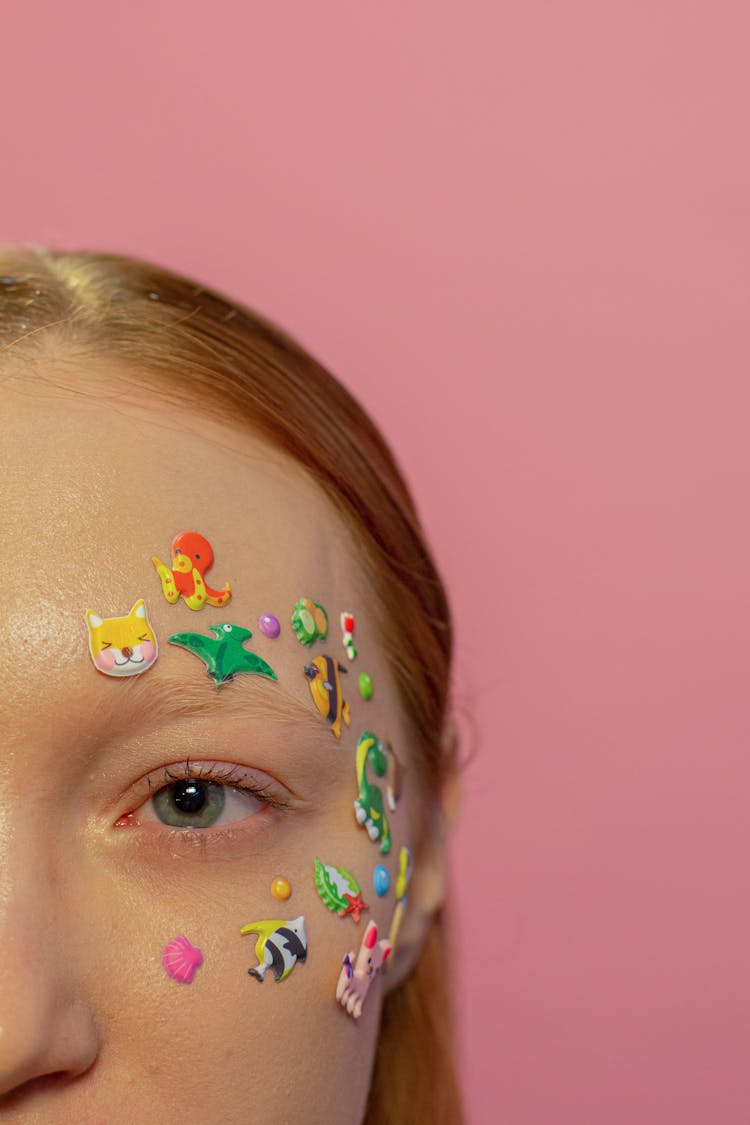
[181,960]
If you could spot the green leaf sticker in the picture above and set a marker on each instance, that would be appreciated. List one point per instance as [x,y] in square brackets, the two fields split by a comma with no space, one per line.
[339,890]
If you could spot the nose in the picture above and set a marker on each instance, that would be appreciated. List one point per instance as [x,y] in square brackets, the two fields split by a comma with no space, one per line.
[40,1037]
[47,1027]
[126,652]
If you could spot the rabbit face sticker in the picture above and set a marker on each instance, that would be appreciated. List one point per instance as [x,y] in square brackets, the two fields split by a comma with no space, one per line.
[122,646]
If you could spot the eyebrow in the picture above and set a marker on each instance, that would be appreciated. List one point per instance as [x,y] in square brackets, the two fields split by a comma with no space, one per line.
[167,699]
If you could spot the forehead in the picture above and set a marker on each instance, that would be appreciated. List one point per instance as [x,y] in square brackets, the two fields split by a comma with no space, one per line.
[99,479]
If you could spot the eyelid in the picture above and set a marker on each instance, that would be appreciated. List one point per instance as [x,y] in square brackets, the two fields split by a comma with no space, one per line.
[261,786]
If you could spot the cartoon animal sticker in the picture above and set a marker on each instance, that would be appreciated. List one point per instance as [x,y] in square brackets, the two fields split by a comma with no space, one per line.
[373,756]
[347,631]
[309,621]
[192,556]
[181,960]
[339,890]
[325,688]
[279,947]
[122,646]
[356,977]
[223,653]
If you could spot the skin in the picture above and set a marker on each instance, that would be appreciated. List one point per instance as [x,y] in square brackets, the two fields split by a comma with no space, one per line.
[97,477]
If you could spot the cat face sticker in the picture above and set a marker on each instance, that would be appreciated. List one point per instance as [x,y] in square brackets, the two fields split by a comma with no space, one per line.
[122,646]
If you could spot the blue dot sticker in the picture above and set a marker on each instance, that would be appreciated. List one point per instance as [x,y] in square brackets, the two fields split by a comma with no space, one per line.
[381,880]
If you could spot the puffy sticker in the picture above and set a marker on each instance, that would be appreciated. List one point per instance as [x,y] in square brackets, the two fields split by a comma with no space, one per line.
[373,757]
[269,625]
[347,631]
[309,621]
[223,653]
[281,888]
[366,686]
[192,556]
[381,880]
[181,960]
[325,687]
[279,947]
[356,977]
[402,884]
[339,890]
[404,871]
[122,646]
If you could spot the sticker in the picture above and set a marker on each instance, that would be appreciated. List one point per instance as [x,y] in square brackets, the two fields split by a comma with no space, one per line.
[373,755]
[404,871]
[269,625]
[398,915]
[325,688]
[402,883]
[347,630]
[223,653]
[192,556]
[339,890]
[181,960]
[122,646]
[381,880]
[279,947]
[366,686]
[281,888]
[309,621]
[356,977]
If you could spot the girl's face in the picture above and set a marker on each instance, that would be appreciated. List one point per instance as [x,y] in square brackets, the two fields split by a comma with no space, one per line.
[140,808]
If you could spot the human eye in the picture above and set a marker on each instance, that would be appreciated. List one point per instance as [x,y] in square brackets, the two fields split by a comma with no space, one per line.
[201,795]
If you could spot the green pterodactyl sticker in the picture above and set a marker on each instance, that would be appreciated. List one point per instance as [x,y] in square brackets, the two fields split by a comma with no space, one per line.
[223,653]
[339,890]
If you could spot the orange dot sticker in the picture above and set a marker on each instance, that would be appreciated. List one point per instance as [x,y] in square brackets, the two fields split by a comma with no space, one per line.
[281,889]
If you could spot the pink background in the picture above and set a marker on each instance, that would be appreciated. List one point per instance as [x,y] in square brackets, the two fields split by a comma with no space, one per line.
[519,232]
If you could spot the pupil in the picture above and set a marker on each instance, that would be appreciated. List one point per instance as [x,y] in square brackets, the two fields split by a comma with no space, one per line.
[189,796]
[190,803]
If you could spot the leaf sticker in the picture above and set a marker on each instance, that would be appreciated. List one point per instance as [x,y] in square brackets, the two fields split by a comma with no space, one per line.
[339,890]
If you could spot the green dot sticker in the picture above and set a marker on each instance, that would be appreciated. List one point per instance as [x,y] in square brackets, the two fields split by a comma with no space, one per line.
[366,686]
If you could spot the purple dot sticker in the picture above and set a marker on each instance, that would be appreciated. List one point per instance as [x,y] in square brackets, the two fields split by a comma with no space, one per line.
[269,625]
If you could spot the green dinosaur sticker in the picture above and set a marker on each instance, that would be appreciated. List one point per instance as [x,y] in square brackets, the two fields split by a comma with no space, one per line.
[375,758]
[223,653]
[339,890]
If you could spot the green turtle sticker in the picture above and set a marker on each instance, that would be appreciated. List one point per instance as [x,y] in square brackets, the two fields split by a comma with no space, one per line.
[309,621]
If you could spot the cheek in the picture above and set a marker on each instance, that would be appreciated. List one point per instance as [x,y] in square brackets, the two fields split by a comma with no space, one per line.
[148,651]
[105,660]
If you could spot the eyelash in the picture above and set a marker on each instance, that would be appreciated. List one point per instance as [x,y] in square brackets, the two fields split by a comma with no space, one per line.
[220,773]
